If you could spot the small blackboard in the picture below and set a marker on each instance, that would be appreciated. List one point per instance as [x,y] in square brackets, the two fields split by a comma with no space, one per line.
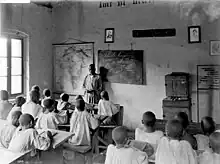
[121,66]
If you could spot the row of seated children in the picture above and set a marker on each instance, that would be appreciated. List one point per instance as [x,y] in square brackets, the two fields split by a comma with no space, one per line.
[171,148]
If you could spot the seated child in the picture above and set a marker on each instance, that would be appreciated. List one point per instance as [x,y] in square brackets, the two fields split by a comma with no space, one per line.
[173,150]
[80,124]
[7,131]
[46,94]
[26,138]
[63,104]
[208,127]
[147,133]
[88,107]
[183,118]
[106,108]
[49,119]
[5,106]
[122,153]
[32,107]
[212,157]
[19,101]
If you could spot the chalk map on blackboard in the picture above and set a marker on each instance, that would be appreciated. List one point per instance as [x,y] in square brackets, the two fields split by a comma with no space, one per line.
[208,77]
[71,63]
[124,66]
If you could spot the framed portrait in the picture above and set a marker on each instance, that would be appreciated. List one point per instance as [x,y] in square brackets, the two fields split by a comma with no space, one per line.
[215,47]
[109,35]
[194,34]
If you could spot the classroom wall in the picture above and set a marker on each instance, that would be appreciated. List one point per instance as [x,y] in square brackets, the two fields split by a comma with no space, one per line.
[35,24]
[86,21]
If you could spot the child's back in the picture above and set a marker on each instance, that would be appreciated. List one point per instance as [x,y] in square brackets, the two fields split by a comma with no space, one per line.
[122,153]
[106,107]
[17,107]
[148,133]
[5,106]
[80,124]
[32,107]
[151,138]
[26,138]
[8,130]
[47,121]
[212,157]
[208,127]
[173,150]
[125,155]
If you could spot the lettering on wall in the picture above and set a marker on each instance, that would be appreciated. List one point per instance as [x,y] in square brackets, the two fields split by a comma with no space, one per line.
[123,3]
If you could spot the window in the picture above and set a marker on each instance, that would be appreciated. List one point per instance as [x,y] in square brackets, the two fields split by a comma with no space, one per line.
[11,65]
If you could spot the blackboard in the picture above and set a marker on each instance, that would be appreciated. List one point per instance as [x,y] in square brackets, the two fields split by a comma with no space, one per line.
[121,66]
[208,76]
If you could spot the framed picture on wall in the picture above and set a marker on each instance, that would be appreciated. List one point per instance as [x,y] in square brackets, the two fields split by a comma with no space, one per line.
[109,35]
[215,47]
[194,34]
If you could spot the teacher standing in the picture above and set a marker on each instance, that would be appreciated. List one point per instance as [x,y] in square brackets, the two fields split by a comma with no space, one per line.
[92,85]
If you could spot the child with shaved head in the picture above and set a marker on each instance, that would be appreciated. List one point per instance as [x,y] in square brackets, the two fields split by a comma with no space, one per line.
[208,127]
[26,138]
[212,157]
[122,153]
[19,101]
[183,118]
[49,119]
[8,130]
[32,106]
[147,133]
[173,150]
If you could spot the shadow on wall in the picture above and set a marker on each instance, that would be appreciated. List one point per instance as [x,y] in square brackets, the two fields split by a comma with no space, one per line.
[103,73]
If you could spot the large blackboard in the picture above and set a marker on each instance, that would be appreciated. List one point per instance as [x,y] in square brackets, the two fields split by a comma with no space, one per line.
[208,76]
[122,66]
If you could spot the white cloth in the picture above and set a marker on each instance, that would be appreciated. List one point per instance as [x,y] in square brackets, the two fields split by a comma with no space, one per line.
[79,125]
[15,108]
[209,158]
[202,142]
[174,152]
[107,108]
[125,155]
[31,108]
[151,138]
[47,121]
[6,134]
[28,140]
[5,108]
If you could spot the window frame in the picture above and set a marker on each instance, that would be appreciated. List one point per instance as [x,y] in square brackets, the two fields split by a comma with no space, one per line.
[9,63]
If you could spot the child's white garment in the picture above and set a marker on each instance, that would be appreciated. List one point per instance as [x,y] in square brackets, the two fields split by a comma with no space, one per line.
[5,108]
[107,108]
[125,155]
[15,108]
[174,152]
[62,105]
[31,108]
[151,138]
[202,142]
[209,158]
[80,123]
[6,134]
[28,140]
[47,121]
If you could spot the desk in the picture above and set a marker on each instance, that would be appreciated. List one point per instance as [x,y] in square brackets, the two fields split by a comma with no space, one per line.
[59,138]
[7,157]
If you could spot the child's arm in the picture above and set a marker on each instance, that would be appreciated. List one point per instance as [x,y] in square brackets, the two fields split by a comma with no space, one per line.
[43,141]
